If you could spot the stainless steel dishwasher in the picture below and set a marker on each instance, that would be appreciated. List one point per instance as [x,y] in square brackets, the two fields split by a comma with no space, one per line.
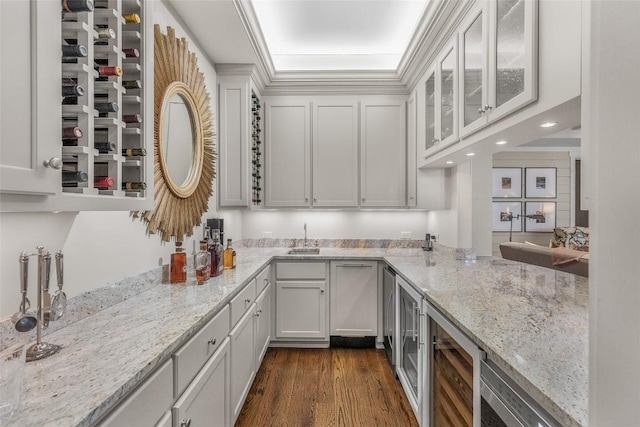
[389,314]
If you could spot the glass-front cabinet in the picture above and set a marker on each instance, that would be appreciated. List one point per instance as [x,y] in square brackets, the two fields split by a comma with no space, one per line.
[410,343]
[498,67]
[453,365]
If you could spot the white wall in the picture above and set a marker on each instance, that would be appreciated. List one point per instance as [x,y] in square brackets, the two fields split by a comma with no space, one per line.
[613,133]
[375,224]
[99,247]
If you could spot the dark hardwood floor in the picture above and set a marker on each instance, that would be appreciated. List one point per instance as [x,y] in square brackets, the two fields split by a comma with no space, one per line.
[326,387]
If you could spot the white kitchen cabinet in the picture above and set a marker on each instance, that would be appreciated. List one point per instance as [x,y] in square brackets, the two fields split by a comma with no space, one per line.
[236,95]
[287,152]
[354,298]
[207,400]
[263,323]
[243,360]
[412,140]
[383,151]
[148,403]
[335,152]
[32,116]
[498,61]
[441,108]
[301,301]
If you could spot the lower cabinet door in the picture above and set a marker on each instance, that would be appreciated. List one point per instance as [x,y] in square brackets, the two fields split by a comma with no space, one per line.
[207,400]
[301,309]
[263,324]
[243,360]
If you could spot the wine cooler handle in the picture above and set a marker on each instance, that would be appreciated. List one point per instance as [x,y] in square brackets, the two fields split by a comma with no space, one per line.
[415,336]
[53,163]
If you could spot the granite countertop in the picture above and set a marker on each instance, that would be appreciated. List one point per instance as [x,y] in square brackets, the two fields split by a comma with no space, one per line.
[530,320]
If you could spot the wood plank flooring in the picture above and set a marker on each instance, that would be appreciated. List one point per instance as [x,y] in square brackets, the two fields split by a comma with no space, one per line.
[326,387]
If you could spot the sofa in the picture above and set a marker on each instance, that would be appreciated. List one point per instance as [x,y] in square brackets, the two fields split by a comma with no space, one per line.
[567,251]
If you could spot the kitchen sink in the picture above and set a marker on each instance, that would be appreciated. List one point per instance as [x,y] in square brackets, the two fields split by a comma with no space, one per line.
[302,251]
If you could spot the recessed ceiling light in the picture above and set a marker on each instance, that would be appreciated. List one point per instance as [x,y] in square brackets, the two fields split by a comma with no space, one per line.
[449,162]
[471,154]
[548,124]
[501,142]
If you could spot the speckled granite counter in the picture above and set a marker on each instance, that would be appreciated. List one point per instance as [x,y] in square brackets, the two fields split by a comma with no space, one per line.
[532,321]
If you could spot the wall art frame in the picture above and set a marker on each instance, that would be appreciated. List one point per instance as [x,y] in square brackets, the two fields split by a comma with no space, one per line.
[541,183]
[501,212]
[507,183]
[540,217]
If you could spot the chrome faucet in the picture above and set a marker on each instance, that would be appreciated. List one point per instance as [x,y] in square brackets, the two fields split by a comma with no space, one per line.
[306,244]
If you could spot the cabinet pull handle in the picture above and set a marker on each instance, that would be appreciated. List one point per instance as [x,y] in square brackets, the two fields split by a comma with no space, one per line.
[415,307]
[487,107]
[212,341]
[353,265]
[185,423]
[53,163]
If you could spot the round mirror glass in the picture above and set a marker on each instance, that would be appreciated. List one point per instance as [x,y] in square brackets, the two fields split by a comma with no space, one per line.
[178,142]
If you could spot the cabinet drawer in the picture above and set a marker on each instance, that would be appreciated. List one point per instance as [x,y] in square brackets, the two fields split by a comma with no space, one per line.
[262,280]
[241,302]
[301,270]
[148,403]
[195,352]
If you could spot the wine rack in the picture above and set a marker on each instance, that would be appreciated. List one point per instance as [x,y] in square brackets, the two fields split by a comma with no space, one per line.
[256,151]
[104,121]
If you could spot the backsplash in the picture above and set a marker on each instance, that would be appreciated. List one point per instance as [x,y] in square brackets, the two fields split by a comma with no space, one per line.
[333,243]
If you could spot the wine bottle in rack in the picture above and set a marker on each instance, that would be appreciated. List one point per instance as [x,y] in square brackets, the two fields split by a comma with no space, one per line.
[70,100]
[77,5]
[131,52]
[104,147]
[103,182]
[132,118]
[131,18]
[108,71]
[72,90]
[72,132]
[134,152]
[73,177]
[74,51]
[134,186]
[105,33]
[106,107]
[132,84]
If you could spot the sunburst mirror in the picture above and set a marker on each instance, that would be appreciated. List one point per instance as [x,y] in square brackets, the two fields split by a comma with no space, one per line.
[183,140]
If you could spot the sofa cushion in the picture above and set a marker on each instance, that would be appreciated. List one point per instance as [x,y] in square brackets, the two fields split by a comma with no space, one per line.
[576,238]
[574,261]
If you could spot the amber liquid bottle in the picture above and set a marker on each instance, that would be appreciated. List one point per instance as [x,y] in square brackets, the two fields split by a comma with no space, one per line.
[229,256]
[216,250]
[203,264]
[178,267]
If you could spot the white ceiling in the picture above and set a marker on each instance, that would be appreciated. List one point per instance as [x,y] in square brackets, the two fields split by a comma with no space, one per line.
[321,35]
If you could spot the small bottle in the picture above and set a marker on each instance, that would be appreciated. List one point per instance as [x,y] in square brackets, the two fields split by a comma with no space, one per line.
[77,5]
[106,107]
[107,71]
[106,33]
[216,250]
[131,52]
[134,152]
[72,132]
[132,118]
[74,51]
[134,186]
[229,256]
[203,264]
[73,177]
[104,147]
[72,90]
[178,265]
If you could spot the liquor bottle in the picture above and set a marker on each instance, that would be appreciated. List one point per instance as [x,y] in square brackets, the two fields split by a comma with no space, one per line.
[72,90]
[131,52]
[108,71]
[103,182]
[134,152]
[178,265]
[203,264]
[74,51]
[134,186]
[131,18]
[132,84]
[229,256]
[216,250]
[132,118]
[73,177]
[77,5]
[72,132]
[106,107]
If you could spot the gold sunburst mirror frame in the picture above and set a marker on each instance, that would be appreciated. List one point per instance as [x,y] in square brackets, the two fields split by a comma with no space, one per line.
[179,205]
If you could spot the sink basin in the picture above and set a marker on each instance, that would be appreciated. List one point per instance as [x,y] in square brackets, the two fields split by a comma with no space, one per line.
[302,251]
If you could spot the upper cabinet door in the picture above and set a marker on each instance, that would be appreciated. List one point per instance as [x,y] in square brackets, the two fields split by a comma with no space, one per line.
[431,108]
[513,56]
[382,151]
[447,95]
[29,106]
[287,153]
[335,152]
[473,72]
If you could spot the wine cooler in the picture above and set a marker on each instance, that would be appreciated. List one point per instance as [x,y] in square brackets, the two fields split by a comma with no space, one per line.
[103,91]
[256,150]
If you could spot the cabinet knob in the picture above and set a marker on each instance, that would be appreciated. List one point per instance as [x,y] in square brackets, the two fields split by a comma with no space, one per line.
[481,110]
[315,200]
[185,423]
[411,198]
[435,141]
[266,280]
[212,341]
[53,163]
[322,291]
[363,199]
[306,199]
[487,107]
[248,300]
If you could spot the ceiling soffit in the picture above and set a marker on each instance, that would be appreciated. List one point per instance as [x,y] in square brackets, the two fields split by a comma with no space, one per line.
[434,30]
